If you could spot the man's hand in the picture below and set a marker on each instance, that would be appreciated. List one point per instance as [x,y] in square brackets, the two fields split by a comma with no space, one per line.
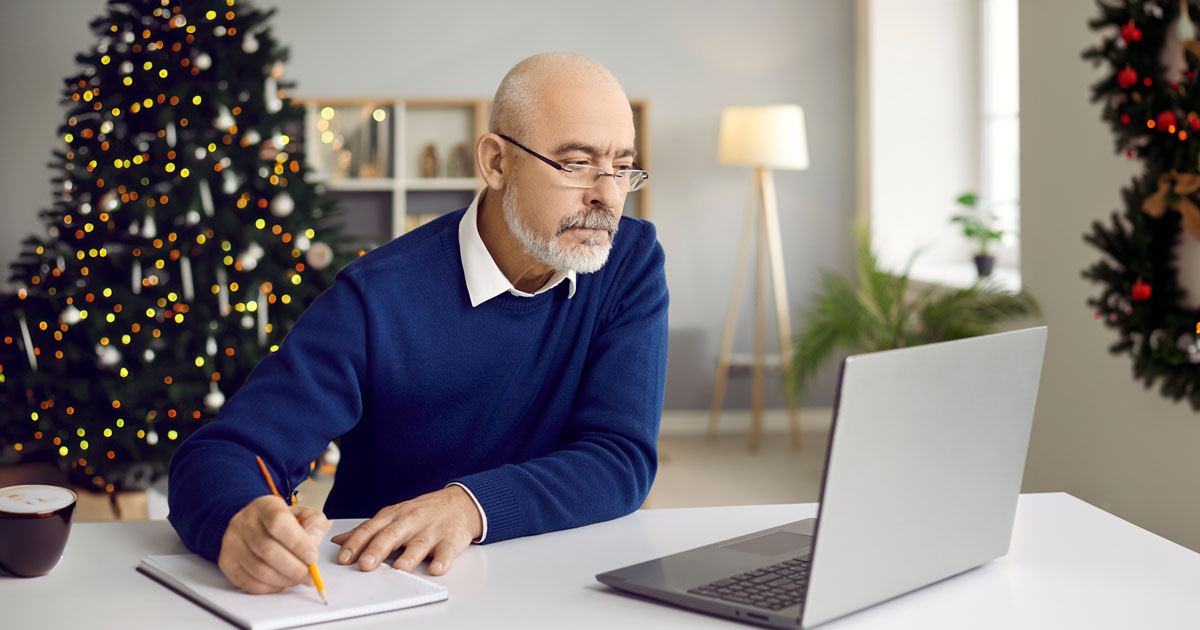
[266,549]
[441,524]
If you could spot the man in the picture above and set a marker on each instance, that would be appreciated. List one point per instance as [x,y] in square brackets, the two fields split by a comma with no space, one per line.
[496,373]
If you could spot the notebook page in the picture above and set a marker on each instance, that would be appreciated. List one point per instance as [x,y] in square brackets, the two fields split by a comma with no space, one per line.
[351,592]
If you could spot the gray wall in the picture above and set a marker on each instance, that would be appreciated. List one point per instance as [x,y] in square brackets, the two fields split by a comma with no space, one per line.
[688,59]
[1098,434]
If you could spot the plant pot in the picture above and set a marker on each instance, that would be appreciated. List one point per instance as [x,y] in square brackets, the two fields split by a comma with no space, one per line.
[984,264]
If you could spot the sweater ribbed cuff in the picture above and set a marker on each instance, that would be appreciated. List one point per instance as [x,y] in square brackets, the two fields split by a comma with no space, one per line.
[496,498]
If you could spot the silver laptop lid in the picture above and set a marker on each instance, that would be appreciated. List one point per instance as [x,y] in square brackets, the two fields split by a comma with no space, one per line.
[924,467]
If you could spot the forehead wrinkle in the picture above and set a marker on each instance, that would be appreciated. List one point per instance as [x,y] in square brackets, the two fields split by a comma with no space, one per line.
[569,146]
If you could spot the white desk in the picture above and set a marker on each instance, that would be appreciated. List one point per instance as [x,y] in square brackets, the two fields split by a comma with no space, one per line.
[1071,566]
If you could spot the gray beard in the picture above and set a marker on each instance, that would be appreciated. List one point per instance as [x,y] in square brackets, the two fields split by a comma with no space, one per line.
[586,257]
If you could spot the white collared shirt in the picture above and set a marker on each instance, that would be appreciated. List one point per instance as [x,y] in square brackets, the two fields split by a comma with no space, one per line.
[484,278]
[484,282]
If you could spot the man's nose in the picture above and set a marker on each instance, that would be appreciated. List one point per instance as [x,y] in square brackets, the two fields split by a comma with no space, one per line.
[606,193]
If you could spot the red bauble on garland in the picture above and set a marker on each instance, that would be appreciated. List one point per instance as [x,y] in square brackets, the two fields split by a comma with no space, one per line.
[1131,33]
[1127,77]
[1166,121]
[1141,290]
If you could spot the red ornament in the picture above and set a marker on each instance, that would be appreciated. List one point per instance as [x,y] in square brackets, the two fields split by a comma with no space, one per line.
[1147,82]
[1131,33]
[1125,119]
[1166,121]
[1127,77]
[1141,290]
[1194,121]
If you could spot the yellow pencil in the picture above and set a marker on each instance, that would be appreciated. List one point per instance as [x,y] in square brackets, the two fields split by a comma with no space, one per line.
[312,568]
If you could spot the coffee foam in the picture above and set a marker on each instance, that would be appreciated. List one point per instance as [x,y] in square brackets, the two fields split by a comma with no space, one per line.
[34,499]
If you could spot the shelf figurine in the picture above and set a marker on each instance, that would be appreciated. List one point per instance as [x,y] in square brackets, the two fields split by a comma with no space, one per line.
[460,162]
[429,161]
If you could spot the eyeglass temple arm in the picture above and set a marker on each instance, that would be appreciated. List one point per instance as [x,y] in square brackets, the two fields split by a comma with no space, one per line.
[533,153]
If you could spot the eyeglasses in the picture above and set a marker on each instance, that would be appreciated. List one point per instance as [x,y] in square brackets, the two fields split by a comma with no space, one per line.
[585,176]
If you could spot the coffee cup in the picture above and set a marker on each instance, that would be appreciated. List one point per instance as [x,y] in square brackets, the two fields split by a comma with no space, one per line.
[34,522]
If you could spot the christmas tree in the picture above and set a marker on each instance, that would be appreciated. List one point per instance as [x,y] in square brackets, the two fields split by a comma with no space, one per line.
[182,243]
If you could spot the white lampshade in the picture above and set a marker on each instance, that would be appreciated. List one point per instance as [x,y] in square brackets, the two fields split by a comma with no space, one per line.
[772,136]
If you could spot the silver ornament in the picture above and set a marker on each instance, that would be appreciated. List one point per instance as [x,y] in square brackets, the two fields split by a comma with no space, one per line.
[108,355]
[283,204]
[319,255]
[229,183]
[110,202]
[224,119]
[214,398]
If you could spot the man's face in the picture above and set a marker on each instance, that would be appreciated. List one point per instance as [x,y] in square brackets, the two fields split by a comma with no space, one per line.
[559,225]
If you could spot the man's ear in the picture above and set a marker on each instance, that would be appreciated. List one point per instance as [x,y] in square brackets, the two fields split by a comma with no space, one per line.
[489,160]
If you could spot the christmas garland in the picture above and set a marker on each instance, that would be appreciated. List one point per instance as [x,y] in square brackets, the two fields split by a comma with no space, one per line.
[1150,98]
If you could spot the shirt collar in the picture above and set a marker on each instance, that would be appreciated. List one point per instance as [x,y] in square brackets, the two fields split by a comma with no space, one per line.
[484,278]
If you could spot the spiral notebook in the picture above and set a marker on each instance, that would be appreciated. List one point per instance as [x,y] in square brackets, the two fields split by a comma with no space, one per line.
[352,593]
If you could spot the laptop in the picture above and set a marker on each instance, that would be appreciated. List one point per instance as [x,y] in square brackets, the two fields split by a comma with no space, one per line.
[924,465]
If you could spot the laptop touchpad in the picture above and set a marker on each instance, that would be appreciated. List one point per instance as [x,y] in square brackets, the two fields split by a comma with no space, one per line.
[772,544]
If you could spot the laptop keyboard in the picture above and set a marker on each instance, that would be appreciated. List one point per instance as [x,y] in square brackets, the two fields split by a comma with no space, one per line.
[772,587]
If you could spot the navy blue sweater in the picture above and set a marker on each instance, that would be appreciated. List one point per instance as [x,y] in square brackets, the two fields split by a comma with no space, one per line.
[547,408]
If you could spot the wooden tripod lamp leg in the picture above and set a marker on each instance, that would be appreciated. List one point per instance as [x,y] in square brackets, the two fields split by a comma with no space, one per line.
[760,342]
[775,246]
[731,320]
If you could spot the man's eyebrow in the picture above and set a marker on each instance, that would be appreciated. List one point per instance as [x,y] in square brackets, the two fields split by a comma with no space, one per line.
[568,147]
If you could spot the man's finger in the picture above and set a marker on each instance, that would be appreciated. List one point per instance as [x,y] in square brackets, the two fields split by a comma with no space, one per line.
[415,552]
[444,554]
[383,543]
[263,566]
[355,541]
[281,526]
[314,522]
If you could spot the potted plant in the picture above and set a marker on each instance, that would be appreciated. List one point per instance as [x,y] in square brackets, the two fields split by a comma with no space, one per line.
[978,224]
[883,312]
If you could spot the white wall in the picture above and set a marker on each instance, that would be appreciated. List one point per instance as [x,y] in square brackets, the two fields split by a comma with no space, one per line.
[1098,434]
[688,59]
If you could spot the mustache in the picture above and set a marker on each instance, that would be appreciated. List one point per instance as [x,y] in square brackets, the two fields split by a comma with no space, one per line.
[590,219]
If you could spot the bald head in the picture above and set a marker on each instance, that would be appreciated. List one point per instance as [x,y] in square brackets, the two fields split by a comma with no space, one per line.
[528,85]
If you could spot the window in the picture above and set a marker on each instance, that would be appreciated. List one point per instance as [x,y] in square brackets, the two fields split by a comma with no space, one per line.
[940,115]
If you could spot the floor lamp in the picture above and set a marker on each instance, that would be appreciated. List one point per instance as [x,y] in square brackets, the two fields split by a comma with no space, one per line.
[768,137]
